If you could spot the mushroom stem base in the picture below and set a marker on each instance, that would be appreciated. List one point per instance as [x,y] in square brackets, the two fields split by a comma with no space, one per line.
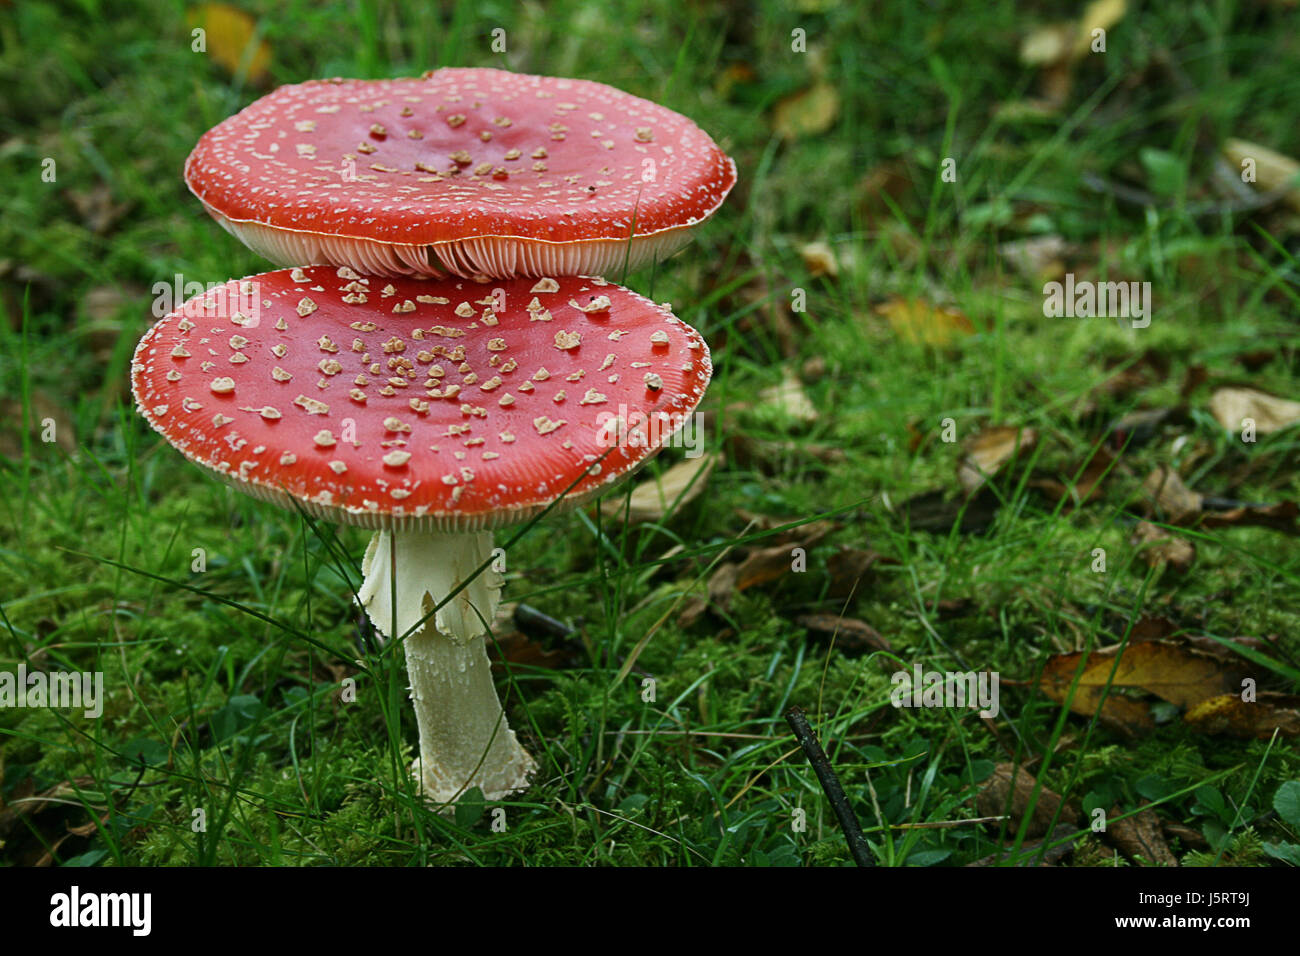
[460,749]
[464,738]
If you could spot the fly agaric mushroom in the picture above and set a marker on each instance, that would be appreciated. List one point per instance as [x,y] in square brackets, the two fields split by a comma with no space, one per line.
[432,412]
[463,172]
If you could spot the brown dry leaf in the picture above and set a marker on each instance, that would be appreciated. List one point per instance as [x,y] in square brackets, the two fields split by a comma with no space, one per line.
[96,208]
[1272,169]
[517,649]
[764,311]
[937,512]
[229,34]
[1229,714]
[989,450]
[1158,547]
[1283,516]
[809,112]
[919,322]
[1059,846]
[762,566]
[789,399]
[847,567]
[796,533]
[1039,258]
[1088,485]
[819,260]
[1191,839]
[850,634]
[885,183]
[769,455]
[1139,837]
[759,566]
[1230,406]
[1174,672]
[1175,499]
[26,803]
[733,75]
[1001,785]
[653,499]
[46,414]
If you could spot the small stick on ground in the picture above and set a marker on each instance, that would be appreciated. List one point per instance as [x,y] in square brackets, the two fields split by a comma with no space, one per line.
[807,738]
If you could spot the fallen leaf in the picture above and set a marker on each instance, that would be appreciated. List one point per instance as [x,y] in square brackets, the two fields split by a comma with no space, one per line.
[1230,715]
[1038,258]
[1059,846]
[771,456]
[1139,837]
[1088,484]
[46,417]
[809,112]
[789,399]
[1137,428]
[652,500]
[800,529]
[762,566]
[1273,171]
[1164,487]
[989,450]
[1008,790]
[1159,547]
[1047,44]
[1174,672]
[1190,838]
[517,649]
[1230,406]
[819,260]
[1283,516]
[919,322]
[935,511]
[850,634]
[229,38]
[847,567]
[1098,15]
[96,208]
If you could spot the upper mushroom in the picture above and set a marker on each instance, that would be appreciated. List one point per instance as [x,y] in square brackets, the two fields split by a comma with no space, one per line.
[464,172]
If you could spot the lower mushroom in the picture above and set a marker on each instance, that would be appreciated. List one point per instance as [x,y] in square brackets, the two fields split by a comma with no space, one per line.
[431,414]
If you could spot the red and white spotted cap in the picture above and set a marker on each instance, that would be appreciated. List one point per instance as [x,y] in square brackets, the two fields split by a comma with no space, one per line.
[416,405]
[460,172]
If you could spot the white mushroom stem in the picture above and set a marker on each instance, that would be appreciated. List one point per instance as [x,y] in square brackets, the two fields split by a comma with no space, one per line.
[464,738]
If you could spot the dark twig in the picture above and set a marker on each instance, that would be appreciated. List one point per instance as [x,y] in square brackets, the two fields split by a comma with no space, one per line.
[807,738]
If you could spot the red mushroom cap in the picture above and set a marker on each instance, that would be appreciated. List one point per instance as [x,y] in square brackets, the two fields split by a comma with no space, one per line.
[413,405]
[462,171]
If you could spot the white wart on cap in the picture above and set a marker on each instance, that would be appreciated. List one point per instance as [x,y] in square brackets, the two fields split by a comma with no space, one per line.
[419,406]
[461,172]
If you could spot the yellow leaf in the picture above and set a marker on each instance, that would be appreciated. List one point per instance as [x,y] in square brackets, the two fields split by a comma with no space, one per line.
[1098,15]
[807,112]
[1258,718]
[819,260]
[1179,674]
[228,35]
[917,321]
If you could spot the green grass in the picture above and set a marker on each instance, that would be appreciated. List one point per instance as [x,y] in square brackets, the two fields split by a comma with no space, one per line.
[223,686]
